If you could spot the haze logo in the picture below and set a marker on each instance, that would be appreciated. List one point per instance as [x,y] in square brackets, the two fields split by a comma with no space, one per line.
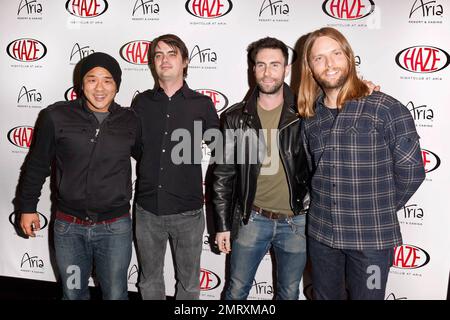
[42,219]
[410,257]
[392,296]
[21,136]
[86,8]
[422,59]
[26,50]
[274,8]
[28,96]
[426,9]
[421,112]
[218,98]
[431,161]
[348,9]
[262,288]
[31,262]
[79,52]
[29,7]
[70,94]
[208,9]
[133,273]
[145,8]
[135,52]
[208,280]
[202,55]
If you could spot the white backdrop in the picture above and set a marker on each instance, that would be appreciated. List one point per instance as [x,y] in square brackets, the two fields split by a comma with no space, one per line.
[401,45]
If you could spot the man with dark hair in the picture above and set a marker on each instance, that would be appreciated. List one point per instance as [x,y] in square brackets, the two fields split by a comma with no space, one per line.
[261,196]
[169,194]
[91,140]
[365,155]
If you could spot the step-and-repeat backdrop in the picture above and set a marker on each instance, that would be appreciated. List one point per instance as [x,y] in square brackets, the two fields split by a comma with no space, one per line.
[402,45]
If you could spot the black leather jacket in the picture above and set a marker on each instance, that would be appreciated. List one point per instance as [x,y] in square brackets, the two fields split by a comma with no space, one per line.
[235,184]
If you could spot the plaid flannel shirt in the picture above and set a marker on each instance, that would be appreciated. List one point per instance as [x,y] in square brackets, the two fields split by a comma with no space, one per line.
[367,164]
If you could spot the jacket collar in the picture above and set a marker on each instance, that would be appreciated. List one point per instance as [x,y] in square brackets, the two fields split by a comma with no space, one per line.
[289,112]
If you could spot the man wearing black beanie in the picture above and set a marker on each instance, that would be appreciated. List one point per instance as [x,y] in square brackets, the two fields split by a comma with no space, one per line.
[90,141]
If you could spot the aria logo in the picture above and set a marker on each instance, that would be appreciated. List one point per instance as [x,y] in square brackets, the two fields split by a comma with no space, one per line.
[392,296]
[21,136]
[426,9]
[29,7]
[262,288]
[218,98]
[202,55]
[70,94]
[31,262]
[420,112]
[42,219]
[431,161]
[208,9]
[422,59]
[136,52]
[28,96]
[144,8]
[133,272]
[79,52]
[410,257]
[86,8]
[273,8]
[26,50]
[348,9]
[208,280]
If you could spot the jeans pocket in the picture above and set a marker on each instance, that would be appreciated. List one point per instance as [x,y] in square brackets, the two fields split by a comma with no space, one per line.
[61,227]
[297,224]
[120,226]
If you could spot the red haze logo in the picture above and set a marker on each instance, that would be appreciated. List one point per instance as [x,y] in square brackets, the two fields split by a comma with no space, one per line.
[218,98]
[31,95]
[42,219]
[29,7]
[273,8]
[70,94]
[410,257]
[348,9]
[148,7]
[208,280]
[208,9]
[21,136]
[26,50]
[135,52]
[422,59]
[31,262]
[431,161]
[427,9]
[80,52]
[86,8]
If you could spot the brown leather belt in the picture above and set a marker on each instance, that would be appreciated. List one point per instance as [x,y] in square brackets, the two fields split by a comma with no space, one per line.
[69,218]
[270,214]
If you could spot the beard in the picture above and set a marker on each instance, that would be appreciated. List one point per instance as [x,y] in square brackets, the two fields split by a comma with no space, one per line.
[331,84]
[270,89]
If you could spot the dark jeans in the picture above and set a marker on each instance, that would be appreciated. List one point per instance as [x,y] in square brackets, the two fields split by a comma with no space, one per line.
[185,232]
[107,245]
[363,273]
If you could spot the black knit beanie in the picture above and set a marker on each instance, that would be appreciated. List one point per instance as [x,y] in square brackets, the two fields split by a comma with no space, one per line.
[100,59]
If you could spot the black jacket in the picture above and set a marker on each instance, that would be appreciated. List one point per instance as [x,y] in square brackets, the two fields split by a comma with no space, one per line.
[235,184]
[93,168]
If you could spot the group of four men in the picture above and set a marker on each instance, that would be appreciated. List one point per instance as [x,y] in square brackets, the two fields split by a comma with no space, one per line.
[342,157]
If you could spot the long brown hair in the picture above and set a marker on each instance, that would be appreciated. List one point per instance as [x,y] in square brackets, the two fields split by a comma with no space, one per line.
[309,90]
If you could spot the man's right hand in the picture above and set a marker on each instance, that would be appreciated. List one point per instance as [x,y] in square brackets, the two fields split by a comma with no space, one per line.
[223,241]
[29,222]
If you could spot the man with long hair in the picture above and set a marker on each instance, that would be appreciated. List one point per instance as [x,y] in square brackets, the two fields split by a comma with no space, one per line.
[364,152]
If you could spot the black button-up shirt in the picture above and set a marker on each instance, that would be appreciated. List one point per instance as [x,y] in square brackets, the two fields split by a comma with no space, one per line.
[169,171]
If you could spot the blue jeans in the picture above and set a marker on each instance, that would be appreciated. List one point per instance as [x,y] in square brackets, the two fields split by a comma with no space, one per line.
[107,245]
[185,232]
[363,273]
[287,237]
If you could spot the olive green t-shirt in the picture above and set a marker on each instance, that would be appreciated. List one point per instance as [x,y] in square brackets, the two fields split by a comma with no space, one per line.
[272,191]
